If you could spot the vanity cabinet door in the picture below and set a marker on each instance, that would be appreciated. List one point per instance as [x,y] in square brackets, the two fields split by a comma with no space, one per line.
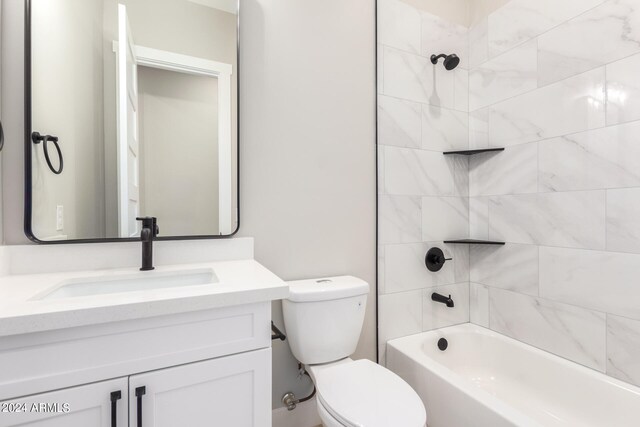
[233,391]
[102,404]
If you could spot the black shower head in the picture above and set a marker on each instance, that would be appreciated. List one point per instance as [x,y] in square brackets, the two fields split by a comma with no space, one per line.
[450,61]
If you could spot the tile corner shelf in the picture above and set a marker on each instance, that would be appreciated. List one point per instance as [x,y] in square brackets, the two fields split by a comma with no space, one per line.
[474,242]
[472,152]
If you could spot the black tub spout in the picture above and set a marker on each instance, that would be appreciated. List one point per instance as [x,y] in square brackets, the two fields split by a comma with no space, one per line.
[442,299]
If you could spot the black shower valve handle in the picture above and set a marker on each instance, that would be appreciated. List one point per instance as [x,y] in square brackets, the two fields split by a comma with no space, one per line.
[435,259]
[440,259]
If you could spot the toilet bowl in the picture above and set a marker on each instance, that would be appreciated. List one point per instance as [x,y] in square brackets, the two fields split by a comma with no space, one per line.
[363,393]
[323,318]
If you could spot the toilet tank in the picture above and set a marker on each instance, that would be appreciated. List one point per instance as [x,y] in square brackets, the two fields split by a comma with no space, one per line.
[323,317]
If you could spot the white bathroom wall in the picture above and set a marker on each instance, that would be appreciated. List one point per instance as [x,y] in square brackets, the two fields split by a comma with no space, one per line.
[462,12]
[422,194]
[479,9]
[556,83]
[452,11]
[1,232]
[307,160]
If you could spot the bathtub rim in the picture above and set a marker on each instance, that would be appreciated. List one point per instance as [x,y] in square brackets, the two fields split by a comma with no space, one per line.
[411,347]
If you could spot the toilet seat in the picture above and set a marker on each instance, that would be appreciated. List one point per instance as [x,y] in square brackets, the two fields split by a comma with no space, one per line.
[364,394]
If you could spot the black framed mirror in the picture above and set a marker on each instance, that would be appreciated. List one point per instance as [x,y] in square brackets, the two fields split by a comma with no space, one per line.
[131,110]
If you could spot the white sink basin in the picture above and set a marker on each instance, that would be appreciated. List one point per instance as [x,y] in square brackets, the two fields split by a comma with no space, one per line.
[143,281]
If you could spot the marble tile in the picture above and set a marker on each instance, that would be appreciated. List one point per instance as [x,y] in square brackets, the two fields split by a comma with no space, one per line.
[604,34]
[399,122]
[382,357]
[419,172]
[478,43]
[381,269]
[512,171]
[380,168]
[415,78]
[459,168]
[479,218]
[5,261]
[623,90]
[479,128]
[405,270]
[600,158]
[598,280]
[573,219]
[461,261]
[520,20]
[479,304]
[437,315]
[442,36]
[399,25]
[567,331]
[623,220]
[380,68]
[399,219]
[461,89]
[572,105]
[623,349]
[505,76]
[400,315]
[445,218]
[511,267]
[444,129]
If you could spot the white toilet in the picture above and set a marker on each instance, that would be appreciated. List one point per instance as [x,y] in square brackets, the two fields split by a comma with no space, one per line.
[323,319]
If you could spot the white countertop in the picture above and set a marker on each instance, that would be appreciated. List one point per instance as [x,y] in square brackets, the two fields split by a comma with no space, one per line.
[239,282]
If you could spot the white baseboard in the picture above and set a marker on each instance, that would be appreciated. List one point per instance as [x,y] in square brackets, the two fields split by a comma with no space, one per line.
[305,415]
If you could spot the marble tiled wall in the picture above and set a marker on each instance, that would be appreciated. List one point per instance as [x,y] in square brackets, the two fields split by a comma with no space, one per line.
[423,195]
[557,82]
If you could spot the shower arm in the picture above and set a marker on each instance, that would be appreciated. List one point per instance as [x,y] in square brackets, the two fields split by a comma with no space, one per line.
[434,58]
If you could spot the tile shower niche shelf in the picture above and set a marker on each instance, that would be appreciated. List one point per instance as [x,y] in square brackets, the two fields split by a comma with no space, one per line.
[472,152]
[474,242]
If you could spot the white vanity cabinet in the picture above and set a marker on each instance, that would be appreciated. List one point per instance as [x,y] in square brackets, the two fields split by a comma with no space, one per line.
[228,391]
[196,369]
[101,404]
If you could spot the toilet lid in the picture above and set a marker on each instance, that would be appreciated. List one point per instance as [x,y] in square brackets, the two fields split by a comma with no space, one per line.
[364,394]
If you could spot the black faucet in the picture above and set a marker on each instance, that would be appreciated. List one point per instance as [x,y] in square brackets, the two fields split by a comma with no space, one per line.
[149,232]
[441,298]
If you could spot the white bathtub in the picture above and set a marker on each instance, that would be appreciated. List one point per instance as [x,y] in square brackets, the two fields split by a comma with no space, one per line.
[484,379]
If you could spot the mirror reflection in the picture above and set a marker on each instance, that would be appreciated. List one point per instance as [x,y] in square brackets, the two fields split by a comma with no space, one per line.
[133,113]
